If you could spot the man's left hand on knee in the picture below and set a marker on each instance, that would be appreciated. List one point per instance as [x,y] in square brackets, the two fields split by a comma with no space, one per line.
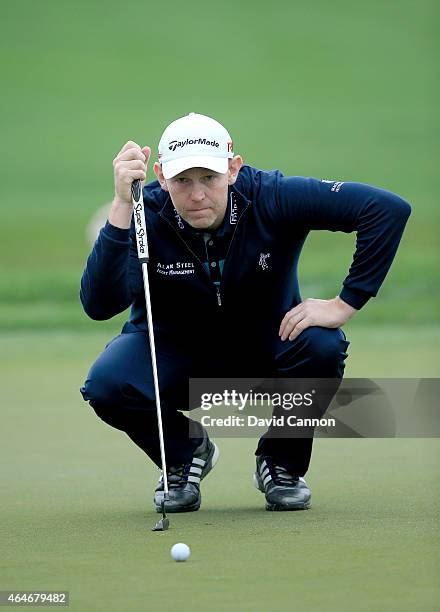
[313,312]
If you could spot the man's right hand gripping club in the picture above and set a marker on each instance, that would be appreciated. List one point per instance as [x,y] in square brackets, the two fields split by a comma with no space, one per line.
[130,164]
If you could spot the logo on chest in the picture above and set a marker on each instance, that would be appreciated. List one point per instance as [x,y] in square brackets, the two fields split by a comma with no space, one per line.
[177,268]
[262,262]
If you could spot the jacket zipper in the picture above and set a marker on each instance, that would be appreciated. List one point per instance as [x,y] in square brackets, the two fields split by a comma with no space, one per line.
[217,288]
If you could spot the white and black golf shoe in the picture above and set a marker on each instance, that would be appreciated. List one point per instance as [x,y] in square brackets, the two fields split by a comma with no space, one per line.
[283,490]
[184,480]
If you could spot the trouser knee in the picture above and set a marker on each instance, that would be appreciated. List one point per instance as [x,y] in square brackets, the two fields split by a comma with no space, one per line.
[327,347]
[114,396]
[316,352]
[102,394]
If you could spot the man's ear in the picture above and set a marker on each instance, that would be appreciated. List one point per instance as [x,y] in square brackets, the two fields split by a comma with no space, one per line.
[234,168]
[157,169]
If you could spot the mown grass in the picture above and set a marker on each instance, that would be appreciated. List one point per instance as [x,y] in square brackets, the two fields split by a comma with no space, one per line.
[76,509]
[334,90]
[303,88]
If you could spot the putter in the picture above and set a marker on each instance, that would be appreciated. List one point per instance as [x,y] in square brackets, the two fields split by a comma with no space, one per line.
[164,522]
[142,248]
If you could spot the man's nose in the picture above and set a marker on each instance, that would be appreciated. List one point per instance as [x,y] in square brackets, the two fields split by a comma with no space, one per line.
[197,193]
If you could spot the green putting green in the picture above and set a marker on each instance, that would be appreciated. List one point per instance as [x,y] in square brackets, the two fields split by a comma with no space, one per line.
[76,510]
[337,90]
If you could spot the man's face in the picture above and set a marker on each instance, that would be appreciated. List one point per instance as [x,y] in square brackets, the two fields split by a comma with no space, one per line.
[199,195]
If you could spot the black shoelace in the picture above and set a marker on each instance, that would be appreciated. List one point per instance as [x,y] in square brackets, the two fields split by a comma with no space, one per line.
[280,475]
[283,477]
[177,475]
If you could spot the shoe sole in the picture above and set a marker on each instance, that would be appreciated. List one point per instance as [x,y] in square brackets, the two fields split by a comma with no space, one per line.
[287,508]
[279,507]
[210,463]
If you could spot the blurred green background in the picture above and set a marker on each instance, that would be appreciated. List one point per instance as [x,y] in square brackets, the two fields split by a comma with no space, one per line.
[343,90]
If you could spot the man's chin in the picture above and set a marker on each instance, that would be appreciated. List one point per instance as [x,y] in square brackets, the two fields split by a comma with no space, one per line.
[201,224]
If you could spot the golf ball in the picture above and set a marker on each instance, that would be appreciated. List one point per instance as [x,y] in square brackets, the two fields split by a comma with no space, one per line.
[180,552]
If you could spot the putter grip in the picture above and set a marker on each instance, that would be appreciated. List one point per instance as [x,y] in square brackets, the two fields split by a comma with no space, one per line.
[136,190]
[139,221]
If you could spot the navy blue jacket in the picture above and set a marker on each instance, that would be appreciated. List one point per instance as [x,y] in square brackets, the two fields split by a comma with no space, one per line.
[273,215]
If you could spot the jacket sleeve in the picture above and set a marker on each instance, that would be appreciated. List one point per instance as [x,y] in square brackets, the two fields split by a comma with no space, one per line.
[377,216]
[105,283]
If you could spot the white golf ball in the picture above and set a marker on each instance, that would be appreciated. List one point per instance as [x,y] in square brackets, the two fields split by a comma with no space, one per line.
[180,552]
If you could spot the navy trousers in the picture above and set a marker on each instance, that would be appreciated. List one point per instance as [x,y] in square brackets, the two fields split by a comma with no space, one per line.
[120,388]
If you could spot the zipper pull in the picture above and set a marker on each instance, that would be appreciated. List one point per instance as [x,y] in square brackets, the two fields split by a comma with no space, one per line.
[219,297]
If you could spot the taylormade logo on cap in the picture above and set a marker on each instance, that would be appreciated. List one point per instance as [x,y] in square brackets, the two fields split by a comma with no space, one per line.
[195,141]
[174,144]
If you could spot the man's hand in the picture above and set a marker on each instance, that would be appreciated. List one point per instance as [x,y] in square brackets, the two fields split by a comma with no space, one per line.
[312,312]
[129,164]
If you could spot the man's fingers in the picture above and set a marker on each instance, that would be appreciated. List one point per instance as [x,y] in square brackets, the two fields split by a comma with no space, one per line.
[147,152]
[132,175]
[302,325]
[291,324]
[288,317]
[298,308]
[130,164]
[130,144]
[285,320]
[129,155]
[128,171]
[311,312]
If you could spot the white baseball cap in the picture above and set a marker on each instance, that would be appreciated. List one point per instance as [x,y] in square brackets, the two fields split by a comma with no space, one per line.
[194,141]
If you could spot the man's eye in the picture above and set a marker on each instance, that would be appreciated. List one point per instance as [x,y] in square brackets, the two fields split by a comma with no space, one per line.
[210,177]
[181,180]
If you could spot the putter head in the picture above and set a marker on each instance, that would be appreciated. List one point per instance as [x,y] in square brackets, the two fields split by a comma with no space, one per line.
[161,525]
[164,523]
